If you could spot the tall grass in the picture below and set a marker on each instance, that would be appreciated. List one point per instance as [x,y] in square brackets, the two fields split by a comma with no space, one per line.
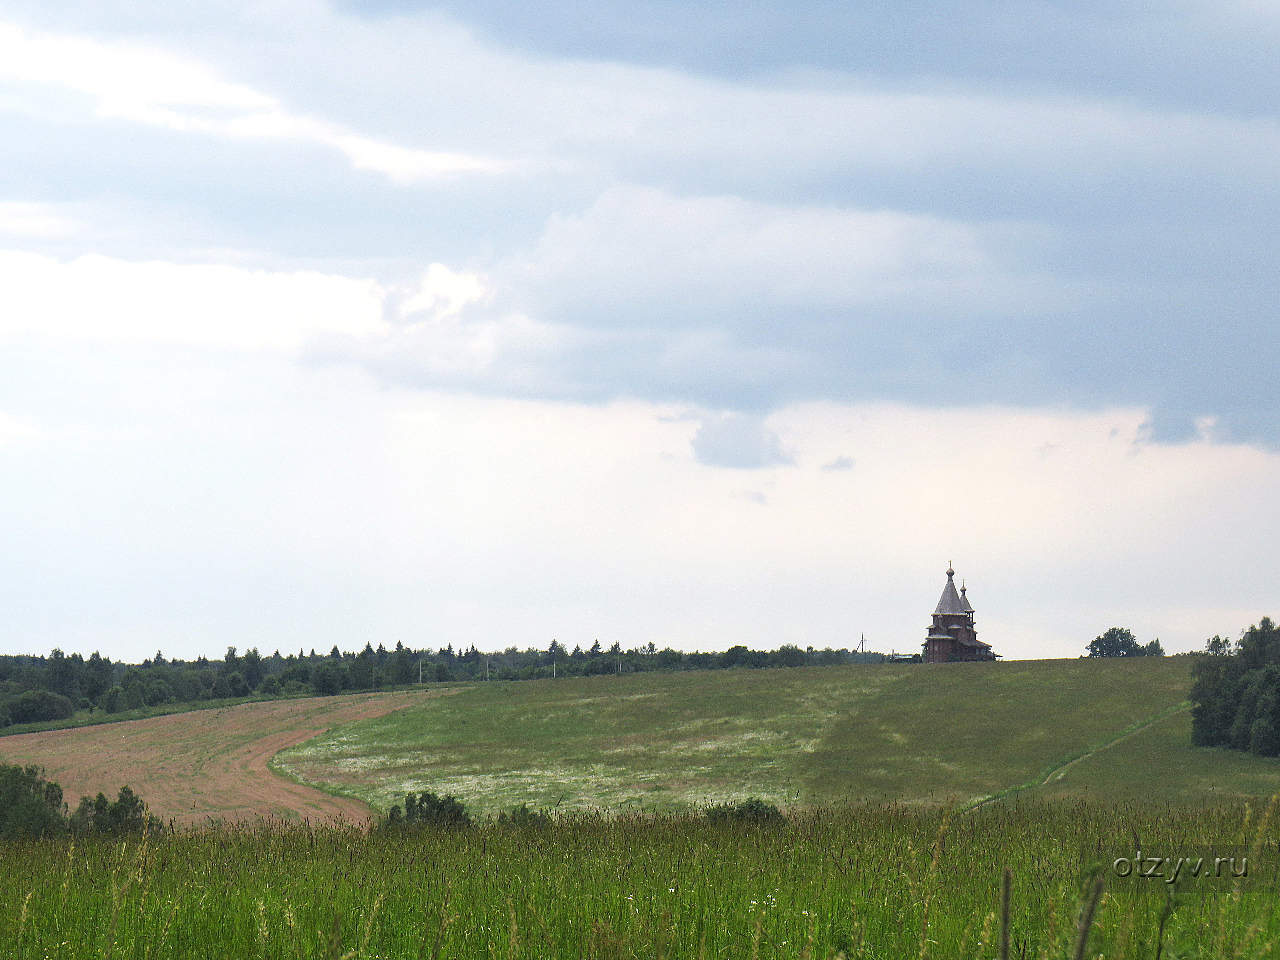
[883,881]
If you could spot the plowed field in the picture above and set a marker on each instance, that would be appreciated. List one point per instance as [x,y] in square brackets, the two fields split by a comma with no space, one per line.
[189,767]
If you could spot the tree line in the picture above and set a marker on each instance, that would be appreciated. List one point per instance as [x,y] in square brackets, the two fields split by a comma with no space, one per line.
[1236,692]
[39,689]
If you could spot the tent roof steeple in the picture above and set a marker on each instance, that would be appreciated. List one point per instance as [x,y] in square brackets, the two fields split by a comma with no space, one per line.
[950,603]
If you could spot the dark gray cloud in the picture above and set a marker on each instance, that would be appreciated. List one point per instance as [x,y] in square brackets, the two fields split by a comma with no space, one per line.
[1201,54]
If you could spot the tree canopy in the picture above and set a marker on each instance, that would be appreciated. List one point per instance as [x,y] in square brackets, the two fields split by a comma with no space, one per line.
[1236,692]
[1120,642]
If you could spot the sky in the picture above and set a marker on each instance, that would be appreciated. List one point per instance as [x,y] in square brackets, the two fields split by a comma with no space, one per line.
[687,323]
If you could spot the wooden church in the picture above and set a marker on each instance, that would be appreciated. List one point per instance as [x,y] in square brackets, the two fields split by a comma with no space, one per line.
[952,635]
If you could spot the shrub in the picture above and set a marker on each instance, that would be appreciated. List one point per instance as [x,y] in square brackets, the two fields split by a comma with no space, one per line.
[522,816]
[752,811]
[30,805]
[127,814]
[34,706]
[430,810]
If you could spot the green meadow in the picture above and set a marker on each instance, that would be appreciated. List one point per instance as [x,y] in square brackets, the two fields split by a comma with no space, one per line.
[910,792]
[947,734]
[873,882]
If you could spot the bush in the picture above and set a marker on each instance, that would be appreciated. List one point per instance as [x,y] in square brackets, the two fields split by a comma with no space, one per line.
[522,816]
[430,810]
[30,805]
[127,814]
[35,706]
[753,811]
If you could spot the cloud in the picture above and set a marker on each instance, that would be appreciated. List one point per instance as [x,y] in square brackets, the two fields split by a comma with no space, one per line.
[840,463]
[15,429]
[641,255]
[1022,43]
[738,441]
[95,299]
[177,502]
[702,235]
[441,331]
[134,83]
[26,221]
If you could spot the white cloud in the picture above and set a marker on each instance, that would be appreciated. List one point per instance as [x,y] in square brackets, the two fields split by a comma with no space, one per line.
[15,429]
[96,299]
[442,331]
[441,294]
[644,251]
[40,221]
[140,84]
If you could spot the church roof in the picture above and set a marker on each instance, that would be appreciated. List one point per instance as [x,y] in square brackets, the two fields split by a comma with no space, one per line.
[949,602]
[964,600]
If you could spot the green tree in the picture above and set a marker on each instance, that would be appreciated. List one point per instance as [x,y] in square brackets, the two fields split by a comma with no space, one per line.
[126,815]
[1217,646]
[1116,642]
[97,677]
[1236,692]
[402,668]
[36,706]
[327,678]
[30,805]
[251,667]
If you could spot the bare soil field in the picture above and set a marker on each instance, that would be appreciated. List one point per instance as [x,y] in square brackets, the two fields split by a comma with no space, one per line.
[189,767]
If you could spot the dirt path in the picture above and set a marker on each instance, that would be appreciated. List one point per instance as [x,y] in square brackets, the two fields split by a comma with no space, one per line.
[1060,771]
[189,767]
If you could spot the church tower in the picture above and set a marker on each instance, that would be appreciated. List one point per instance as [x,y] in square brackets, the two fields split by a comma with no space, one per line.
[952,635]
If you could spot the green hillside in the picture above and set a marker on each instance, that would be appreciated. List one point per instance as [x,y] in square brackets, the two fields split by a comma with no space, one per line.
[942,733]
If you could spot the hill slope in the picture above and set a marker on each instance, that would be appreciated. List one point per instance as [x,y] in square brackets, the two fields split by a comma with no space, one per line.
[204,763]
[895,731]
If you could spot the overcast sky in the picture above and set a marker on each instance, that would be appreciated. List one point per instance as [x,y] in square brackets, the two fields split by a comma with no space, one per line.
[692,323]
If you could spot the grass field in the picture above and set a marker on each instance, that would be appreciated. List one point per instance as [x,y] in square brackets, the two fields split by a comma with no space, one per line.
[953,732]
[205,763]
[912,871]
[878,882]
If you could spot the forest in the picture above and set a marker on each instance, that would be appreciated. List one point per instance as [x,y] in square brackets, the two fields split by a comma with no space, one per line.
[35,689]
